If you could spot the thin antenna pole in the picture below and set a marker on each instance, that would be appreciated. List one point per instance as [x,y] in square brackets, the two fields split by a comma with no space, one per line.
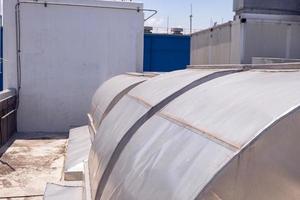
[168,25]
[191,20]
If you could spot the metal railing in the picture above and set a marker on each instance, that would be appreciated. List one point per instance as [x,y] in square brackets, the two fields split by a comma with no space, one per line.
[8,115]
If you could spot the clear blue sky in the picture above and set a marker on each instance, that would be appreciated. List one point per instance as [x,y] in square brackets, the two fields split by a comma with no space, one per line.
[205,12]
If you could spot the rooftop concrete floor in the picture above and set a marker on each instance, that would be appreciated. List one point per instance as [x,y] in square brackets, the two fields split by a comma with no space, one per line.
[28,162]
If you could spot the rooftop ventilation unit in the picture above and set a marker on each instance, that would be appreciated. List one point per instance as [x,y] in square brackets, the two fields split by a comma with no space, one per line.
[148,29]
[177,31]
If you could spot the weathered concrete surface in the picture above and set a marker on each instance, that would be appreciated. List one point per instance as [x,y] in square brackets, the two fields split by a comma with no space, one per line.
[32,160]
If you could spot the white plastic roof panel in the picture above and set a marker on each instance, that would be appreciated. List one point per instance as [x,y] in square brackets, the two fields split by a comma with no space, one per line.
[235,108]
[116,85]
[267,169]
[106,94]
[203,140]
[160,87]
[122,117]
[129,110]
[165,161]
[178,151]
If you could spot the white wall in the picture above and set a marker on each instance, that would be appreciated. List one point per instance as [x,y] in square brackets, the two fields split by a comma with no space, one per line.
[212,46]
[66,53]
[273,36]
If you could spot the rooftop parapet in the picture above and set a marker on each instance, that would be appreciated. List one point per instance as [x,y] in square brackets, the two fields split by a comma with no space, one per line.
[275,66]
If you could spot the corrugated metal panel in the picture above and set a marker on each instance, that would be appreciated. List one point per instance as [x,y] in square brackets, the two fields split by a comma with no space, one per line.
[263,38]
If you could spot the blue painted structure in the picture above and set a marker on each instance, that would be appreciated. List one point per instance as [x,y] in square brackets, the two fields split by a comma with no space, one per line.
[1,57]
[164,52]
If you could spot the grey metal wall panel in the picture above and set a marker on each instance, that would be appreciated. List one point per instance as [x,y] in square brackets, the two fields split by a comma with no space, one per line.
[271,39]
[264,40]
[267,6]
[238,42]
[212,46]
[236,51]
[199,47]
[294,42]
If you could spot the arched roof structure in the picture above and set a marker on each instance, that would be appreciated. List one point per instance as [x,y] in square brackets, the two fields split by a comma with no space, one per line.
[202,134]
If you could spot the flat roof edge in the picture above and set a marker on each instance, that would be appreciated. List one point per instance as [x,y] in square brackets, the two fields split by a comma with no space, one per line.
[275,66]
[209,29]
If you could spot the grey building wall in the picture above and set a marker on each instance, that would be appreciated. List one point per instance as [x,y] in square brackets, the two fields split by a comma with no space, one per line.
[285,7]
[212,46]
[252,35]
[271,40]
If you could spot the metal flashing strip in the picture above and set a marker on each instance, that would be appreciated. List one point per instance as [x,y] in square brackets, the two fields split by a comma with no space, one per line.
[46,4]
[219,26]
[141,121]
[252,141]
[140,101]
[91,123]
[145,74]
[275,66]
[208,135]
[271,17]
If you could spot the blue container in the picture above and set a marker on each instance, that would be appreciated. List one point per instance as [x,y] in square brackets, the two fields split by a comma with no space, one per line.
[164,53]
[1,61]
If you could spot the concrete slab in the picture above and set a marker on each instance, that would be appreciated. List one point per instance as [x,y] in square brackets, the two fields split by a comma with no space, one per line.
[72,190]
[32,160]
[79,145]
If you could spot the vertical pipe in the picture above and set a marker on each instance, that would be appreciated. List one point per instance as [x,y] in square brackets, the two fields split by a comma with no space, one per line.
[18,49]
[191,20]
[168,25]
[288,41]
